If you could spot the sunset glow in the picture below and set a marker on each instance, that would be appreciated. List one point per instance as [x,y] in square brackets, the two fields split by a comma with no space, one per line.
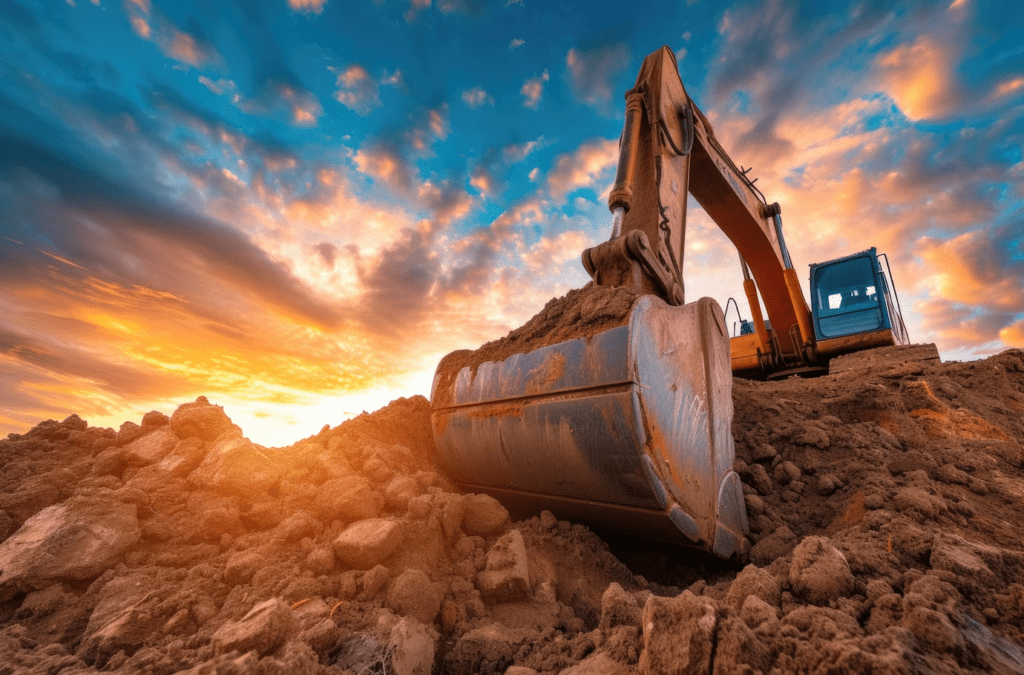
[297,207]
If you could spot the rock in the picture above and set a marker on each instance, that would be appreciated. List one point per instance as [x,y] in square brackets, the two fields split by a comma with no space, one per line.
[819,571]
[25,503]
[183,459]
[753,581]
[413,594]
[619,608]
[368,543]
[483,516]
[763,452]
[347,499]
[323,636]
[595,664]
[786,472]
[521,670]
[235,466]
[452,513]
[951,553]
[150,448]
[76,539]
[739,650]
[214,514]
[202,420]
[411,647]
[109,462]
[154,419]
[948,473]
[814,435]
[828,483]
[242,565]
[399,491]
[267,626]
[756,612]
[298,526]
[927,606]
[128,432]
[759,480]
[122,619]
[374,580]
[308,614]
[493,645]
[6,524]
[678,635]
[775,545]
[506,578]
[916,499]
[320,560]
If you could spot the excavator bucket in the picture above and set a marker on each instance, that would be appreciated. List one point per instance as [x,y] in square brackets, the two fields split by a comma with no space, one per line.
[628,429]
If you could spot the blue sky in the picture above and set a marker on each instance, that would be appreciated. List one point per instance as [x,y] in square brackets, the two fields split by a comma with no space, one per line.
[296,207]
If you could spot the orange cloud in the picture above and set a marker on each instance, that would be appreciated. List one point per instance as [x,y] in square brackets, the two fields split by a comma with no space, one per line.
[1013,336]
[172,41]
[583,167]
[550,253]
[357,90]
[973,269]
[533,89]
[307,6]
[919,77]
[476,97]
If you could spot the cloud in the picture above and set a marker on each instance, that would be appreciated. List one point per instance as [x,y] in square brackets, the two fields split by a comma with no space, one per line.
[476,97]
[281,99]
[552,252]
[919,77]
[414,9]
[516,42]
[307,6]
[592,73]
[983,267]
[386,162]
[185,46]
[533,90]
[488,174]
[357,90]
[1013,336]
[121,211]
[517,152]
[582,167]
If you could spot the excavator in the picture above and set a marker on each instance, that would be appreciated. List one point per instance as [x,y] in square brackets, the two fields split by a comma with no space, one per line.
[629,429]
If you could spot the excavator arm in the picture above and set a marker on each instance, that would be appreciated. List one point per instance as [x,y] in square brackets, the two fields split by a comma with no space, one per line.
[668,150]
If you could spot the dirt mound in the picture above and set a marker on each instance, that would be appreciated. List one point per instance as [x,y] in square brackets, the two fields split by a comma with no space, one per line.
[580,313]
[884,503]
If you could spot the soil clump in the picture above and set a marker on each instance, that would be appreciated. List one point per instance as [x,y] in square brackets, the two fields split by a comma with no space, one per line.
[885,505]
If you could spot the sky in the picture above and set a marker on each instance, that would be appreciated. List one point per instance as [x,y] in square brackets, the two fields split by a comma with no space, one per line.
[297,207]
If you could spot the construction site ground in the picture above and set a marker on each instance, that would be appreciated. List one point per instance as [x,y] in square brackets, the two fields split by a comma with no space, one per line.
[885,501]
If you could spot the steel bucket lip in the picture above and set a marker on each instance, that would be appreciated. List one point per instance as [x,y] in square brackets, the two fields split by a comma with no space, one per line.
[615,338]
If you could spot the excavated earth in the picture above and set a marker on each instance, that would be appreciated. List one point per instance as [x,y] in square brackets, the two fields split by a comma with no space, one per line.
[885,503]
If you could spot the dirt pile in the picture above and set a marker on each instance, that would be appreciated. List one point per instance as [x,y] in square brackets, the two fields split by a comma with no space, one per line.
[582,312]
[885,504]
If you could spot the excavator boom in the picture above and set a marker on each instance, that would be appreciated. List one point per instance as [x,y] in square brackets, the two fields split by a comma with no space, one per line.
[622,417]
